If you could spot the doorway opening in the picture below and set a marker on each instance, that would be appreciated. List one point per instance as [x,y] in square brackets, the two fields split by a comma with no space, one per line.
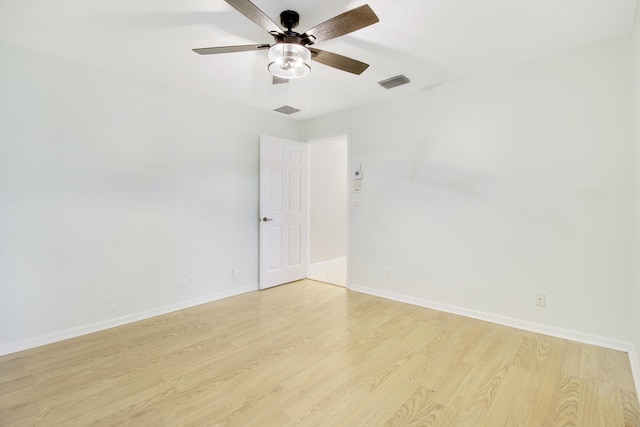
[328,183]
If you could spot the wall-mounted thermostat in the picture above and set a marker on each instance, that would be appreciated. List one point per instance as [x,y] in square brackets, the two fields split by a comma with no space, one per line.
[357,179]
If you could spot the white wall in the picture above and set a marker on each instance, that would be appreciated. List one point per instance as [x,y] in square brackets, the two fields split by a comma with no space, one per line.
[480,193]
[636,112]
[328,177]
[118,197]
[328,189]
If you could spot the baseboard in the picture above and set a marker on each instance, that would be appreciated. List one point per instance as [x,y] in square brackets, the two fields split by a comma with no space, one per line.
[581,337]
[321,271]
[577,336]
[635,368]
[118,321]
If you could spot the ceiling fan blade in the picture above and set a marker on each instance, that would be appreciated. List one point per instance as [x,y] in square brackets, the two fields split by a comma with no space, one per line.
[252,12]
[338,61]
[230,49]
[342,24]
[279,80]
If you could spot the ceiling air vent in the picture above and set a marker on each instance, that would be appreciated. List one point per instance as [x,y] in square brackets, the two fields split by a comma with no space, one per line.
[394,81]
[285,109]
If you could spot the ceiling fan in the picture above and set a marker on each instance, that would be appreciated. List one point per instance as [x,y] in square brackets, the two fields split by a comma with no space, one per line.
[290,55]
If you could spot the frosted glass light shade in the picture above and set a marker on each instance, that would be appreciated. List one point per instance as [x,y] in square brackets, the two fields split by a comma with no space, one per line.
[289,60]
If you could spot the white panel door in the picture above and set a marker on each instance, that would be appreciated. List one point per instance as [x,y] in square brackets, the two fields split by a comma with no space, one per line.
[283,216]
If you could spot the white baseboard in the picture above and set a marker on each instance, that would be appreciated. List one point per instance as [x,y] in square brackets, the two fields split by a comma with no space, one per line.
[118,321]
[323,271]
[582,337]
[635,368]
[489,317]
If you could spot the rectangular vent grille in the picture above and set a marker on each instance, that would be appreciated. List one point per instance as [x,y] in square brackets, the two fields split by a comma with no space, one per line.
[394,81]
[285,109]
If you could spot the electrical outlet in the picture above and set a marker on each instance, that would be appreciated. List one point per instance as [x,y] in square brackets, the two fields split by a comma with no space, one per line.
[541,299]
[387,273]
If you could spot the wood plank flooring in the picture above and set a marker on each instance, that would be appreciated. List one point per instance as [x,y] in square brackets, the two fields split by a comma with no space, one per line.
[312,354]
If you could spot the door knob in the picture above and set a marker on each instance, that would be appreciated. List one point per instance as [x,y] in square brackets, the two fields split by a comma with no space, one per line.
[265,219]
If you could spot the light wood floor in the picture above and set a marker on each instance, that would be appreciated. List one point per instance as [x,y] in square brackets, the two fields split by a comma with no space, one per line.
[314,354]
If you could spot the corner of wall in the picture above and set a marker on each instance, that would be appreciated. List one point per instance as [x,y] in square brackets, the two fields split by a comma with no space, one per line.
[635,363]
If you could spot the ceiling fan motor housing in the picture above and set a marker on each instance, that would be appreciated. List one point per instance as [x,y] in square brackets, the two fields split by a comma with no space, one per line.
[289,19]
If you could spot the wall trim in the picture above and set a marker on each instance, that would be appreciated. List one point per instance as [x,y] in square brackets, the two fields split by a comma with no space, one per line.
[118,321]
[553,331]
[318,271]
[613,344]
[577,336]
[635,368]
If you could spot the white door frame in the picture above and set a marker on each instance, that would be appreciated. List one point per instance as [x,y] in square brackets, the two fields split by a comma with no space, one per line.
[347,136]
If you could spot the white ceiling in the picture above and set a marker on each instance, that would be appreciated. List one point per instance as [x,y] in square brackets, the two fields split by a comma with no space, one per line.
[429,41]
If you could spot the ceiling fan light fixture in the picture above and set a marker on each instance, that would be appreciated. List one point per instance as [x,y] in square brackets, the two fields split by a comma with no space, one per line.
[289,60]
